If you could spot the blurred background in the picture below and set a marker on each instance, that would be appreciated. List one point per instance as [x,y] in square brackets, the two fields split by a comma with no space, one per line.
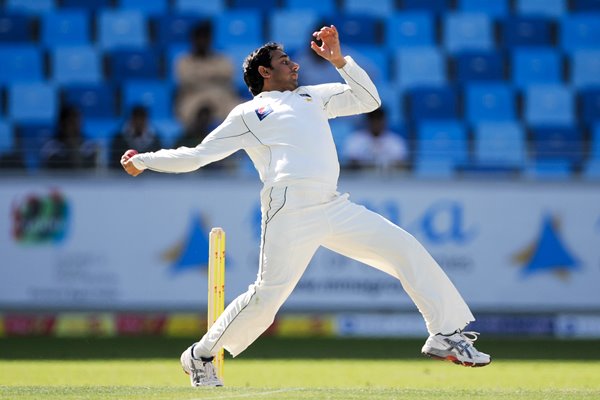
[487,149]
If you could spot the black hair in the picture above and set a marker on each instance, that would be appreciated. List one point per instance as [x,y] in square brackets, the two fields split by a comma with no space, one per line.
[259,57]
[202,28]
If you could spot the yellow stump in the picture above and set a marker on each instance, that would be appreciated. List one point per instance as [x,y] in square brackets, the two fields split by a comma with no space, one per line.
[216,285]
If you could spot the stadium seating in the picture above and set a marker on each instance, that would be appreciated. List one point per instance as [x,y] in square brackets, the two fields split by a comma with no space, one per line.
[358,28]
[585,68]
[137,64]
[467,31]
[557,143]
[549,104]
[409,29]
[379,8]
[489,102]
[420,66]
[204,7]
[479,66]
[487,67]
[536,66]
[95,101]
[435,103]
[589,100]
[6,137]
[496,8]
[33,135]
[15,27]
[527,31]
[154,7]
[442,141]
[155,95]
[76,64]
[65,28]
[32,102]
[294,28]
[20,63]
[121,29]
[499,144]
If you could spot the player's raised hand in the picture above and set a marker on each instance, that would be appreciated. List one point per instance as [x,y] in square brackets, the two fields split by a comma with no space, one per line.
[330,48]
[128,164]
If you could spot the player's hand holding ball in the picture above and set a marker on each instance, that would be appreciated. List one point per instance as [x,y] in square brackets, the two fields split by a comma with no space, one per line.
[128,164]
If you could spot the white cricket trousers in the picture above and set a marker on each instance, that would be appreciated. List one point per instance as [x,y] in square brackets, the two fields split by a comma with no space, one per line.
[296,220]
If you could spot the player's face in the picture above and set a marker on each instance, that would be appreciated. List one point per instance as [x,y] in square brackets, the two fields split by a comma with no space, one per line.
[284,72]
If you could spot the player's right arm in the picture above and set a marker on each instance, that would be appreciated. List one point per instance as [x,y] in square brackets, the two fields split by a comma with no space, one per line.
[226,139]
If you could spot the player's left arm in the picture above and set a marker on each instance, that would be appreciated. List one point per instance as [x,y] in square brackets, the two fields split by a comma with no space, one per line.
[359,94]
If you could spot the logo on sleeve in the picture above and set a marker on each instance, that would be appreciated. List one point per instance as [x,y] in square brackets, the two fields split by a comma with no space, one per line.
[263,111]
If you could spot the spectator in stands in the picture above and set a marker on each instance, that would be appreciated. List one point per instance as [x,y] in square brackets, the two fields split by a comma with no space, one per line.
[137,133]
[204,77]
[69,149]
[375,146]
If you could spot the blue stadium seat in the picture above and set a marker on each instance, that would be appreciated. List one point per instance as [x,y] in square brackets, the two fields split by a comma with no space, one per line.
[549,104]
[538,65]
[154,7]
[496,8]
[174,28]
[585,68]
[30,6]
[595,143]
[479,66]
[549,8]
[94,101]
[172,54]
[322,7]
[155,95]
[489,102]
[91,5]
[466,31]
[409,29]
[238,28]
[591,171]
[169,130]
[293,28]
[580,31]
[7,143]
[557,143]
[33,135]
[585,5]
[443,140]
[20,63]
[434,6]
[433,103]
[139,64]
[101,129]
[420,66]
[379,8]
[358,29]
[76,64]
[527,31]
[500,144]
[373,59]
[263,5]
[15,27]
[548,170]
[589,105]
[32,102]
[204,7]
[121,29]
[65,28]
[392,100]
[237,54]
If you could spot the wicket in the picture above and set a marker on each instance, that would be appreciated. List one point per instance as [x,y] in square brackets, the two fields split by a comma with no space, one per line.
[216,285]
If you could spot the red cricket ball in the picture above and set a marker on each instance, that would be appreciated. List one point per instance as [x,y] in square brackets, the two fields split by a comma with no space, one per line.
[130,153]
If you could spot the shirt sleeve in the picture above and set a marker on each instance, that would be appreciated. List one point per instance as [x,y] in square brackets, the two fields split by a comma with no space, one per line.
[358,95]
[232,135]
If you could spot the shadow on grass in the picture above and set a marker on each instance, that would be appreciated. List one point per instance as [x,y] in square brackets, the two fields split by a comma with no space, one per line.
[48,348]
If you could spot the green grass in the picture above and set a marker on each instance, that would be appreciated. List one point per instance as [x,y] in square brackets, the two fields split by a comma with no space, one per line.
[289,369]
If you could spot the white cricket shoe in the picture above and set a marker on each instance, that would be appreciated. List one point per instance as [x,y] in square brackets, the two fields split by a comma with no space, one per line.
[202,372]
[457,348]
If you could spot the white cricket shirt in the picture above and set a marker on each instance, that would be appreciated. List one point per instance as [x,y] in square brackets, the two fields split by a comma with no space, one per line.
[286,134]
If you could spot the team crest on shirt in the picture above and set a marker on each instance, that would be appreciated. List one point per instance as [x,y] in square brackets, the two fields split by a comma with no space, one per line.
[263,111]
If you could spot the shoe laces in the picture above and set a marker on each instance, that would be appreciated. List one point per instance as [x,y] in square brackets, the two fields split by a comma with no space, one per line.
[205,373]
